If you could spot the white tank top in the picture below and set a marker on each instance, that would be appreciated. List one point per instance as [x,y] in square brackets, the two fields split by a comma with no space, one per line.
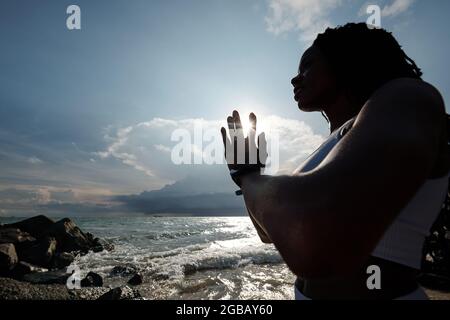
[403,240]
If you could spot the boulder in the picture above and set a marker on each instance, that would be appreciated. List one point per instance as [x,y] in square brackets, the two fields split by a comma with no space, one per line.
[135,280]
[41,253]
[100,245]
[124,270]
[14,236]
[113,294]
[35,226]
[121,293]
[92,279]
[62,259]
[23,268]
[50,277]
[8,258]
[69,236]
[90,236]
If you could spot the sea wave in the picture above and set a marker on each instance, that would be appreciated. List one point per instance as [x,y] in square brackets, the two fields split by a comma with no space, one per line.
[179,262]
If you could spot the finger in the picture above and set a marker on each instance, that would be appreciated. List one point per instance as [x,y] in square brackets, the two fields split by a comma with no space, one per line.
[239,139]
[226,143]
[231,127]
[237,120]
[262,148]
[236,151]
[230,121]
[247,147]
[252,119]
[252,152]
[223,131]
[238,125]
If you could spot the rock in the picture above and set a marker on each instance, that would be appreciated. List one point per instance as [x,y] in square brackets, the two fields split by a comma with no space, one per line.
[125,270]
[14,236]
[100,245]
[41,253]
[62,259]
[121,293]
[90,237]
[35,226]
[92,279]
[8,258]
[113,294]
[69,236]
[434,281]
[160,276]
[49,277]
[135,280]
[189,269]
[23,268]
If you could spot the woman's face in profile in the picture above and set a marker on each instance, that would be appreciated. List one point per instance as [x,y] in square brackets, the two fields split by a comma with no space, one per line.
[314,86]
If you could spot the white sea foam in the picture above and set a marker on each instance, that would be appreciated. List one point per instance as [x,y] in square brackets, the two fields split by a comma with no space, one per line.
[216,258]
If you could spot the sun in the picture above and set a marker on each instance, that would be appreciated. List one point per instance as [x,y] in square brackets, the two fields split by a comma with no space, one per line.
[261,121]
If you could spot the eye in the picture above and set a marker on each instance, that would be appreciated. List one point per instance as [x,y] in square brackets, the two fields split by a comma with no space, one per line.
[304,67]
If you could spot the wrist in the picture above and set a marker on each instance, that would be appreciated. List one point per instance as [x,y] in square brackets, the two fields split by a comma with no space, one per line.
[250,176]
[238,174]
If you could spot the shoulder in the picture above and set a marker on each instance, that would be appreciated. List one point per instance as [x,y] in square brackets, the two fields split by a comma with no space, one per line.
[405,106]
[408,95]
[414,87]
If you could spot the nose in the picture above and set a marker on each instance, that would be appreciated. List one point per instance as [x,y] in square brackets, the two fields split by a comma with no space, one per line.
[296,80]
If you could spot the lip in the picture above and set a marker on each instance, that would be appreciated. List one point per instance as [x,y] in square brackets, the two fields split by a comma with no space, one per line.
[297,92]
[298,89]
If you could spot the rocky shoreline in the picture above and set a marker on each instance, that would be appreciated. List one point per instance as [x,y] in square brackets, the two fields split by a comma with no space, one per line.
[34,257]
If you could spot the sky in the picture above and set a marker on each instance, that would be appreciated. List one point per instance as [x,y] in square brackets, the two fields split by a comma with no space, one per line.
[87,116]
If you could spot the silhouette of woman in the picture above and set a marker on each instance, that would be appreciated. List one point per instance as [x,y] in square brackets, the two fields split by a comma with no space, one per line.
[370,193]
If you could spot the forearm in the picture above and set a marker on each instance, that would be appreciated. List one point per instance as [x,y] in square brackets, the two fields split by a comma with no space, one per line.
[275,201]
[294,212]
[261,233]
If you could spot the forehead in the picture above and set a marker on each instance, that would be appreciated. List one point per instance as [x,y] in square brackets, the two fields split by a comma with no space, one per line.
[311,52]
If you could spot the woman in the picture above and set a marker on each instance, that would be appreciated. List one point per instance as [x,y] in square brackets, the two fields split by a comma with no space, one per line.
[370,193]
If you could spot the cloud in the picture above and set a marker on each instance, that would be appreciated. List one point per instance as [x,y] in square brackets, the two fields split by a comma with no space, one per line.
[34,160]
[148,146]
[139,155]
[12,196]
[396,7]
[209,204]
[33,195]
[55,201]
[309,17]
[161,147]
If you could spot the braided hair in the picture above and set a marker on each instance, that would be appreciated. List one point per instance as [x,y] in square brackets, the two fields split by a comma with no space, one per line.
[363,59]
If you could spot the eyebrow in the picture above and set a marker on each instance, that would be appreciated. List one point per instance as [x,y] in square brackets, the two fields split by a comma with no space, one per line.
[303,61]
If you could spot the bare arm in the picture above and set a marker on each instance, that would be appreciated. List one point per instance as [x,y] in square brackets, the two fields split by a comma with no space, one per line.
[261,233]
[328,221]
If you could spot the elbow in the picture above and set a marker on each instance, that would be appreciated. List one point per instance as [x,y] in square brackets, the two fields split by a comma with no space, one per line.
[321,265]
[328,250]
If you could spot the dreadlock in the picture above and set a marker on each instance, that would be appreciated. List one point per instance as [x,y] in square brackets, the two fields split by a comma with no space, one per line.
[363,58]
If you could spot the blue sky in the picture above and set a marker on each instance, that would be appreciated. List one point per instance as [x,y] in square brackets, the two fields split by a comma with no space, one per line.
[66,95]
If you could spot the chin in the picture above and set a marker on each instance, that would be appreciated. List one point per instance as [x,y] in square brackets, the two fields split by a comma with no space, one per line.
[306,107]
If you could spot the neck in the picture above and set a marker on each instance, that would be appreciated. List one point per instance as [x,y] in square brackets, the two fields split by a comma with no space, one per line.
[340,112]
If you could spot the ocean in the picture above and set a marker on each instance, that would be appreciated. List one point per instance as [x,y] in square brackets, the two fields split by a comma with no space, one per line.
[188,257]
